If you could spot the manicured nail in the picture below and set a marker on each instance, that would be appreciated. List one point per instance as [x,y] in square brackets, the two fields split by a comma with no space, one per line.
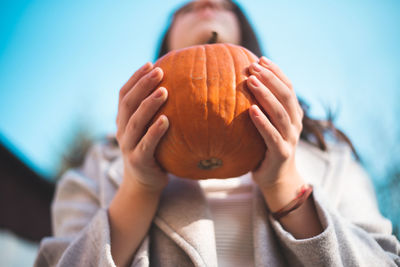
[256,110]
[256,67]
[159,93]
[163,121]
[253,81]
[146,67]
[155,73]
[265,60]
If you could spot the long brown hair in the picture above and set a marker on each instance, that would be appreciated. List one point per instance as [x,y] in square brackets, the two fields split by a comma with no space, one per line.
[314,131]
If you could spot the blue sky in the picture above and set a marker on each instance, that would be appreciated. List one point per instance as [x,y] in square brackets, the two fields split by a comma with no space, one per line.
[62,64]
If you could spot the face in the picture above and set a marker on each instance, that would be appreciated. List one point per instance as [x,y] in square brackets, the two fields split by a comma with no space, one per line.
[194,23]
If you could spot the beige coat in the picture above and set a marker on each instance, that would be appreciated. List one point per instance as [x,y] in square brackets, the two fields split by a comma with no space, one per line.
[182,233]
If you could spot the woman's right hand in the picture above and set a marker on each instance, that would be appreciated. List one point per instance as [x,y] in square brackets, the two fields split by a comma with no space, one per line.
[139,100]
[134,205]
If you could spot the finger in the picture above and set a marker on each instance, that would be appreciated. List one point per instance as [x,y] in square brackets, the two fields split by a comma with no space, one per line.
[134,97]
[265,62]
[285,95]
[132,81]
[301,116]
[134,78]
[277,113]
[269,133]
[138,122]
[150,140]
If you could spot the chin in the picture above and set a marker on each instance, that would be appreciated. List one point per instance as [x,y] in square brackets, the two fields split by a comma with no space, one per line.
[200,33]
[205,34]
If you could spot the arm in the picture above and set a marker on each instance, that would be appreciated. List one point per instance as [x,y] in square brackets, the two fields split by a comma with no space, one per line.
[134,206]
[355,233]
[128,229]
[81,227]
[303,222]
[81,230]
[313,235]
[87,234]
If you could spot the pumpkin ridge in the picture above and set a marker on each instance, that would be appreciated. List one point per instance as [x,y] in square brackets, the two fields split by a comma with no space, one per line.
[178,109]
[228,157]
[212,101]
[219,150]
[250,57]
[227,47]
[231,114]
[171,147]
[200,126]
[204,48]
[251,98]
[237,146]
[236,61]
[234,80]
[245,91]
[173,138]
[218,83]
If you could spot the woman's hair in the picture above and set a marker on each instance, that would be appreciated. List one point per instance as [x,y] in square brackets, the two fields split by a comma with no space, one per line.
[314,131]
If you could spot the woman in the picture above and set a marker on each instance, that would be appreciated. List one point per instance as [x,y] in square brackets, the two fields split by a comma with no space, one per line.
[122,209]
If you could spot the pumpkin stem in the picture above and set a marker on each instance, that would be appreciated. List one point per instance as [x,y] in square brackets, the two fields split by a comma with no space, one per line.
[209,164]
[213,39]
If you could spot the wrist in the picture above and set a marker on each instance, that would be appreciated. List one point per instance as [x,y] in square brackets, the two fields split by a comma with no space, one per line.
[133,197]
[282,192]
[133,188]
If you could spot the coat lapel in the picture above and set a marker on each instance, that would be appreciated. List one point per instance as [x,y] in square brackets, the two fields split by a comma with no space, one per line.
[183,216]
[314,166]
[267,250]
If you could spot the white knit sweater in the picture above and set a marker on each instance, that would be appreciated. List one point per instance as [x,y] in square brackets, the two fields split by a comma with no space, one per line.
[355,233]
[230,203]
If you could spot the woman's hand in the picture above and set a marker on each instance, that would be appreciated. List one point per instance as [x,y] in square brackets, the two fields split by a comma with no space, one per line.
[134,205]
[279,122]
[139,100]
[278,118]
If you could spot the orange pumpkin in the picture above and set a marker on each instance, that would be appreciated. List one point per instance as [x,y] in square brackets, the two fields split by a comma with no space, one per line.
[211,134]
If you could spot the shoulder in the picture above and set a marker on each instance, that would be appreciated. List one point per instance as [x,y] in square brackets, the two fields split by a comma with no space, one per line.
[336,156]
[97,161]
[328,169]
[102,151]
[92,180]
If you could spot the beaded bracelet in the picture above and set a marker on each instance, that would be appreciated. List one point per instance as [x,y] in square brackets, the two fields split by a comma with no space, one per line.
[301,197]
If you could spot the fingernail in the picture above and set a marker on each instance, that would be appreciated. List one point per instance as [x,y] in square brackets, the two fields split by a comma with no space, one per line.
[146,67]
[253,81]
[255,110]
[163,121]
[159,93]
[256,67]
[155,73]
[265,60]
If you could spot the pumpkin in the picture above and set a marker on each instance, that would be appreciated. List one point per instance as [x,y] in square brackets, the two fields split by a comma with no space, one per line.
[210,132]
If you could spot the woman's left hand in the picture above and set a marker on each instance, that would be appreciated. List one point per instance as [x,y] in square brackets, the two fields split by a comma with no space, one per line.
[278,118]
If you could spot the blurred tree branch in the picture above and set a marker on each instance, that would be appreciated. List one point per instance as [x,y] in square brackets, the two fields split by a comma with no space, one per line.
[77,145]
